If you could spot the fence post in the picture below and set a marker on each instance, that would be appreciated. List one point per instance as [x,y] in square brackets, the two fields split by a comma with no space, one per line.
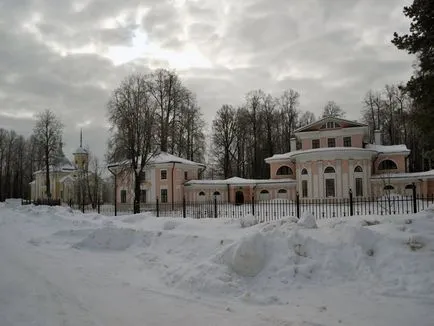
[297,202]
[215,206]
[253,205]
[158,208]
[184,208]
[351,203]
[414,198]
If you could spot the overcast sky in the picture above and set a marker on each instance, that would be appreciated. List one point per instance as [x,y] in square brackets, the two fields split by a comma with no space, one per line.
[69,55]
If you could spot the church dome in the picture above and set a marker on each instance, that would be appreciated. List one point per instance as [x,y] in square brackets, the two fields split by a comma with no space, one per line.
[80,150]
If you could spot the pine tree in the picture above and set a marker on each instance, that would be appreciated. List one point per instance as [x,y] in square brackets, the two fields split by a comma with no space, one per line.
[420,41]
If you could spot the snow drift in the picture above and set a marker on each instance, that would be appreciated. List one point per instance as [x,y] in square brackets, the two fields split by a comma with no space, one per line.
[112,239]
[265,262]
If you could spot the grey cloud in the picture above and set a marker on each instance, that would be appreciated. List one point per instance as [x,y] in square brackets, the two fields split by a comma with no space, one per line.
[326,50]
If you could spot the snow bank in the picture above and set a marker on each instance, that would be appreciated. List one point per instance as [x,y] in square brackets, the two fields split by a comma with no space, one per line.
[275,258]
[265,262]
[12,202]
[307,220]
[112,239]
[248,220]
[248,257]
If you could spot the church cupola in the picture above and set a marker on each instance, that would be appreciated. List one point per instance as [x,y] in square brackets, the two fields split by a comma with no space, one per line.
[81,156]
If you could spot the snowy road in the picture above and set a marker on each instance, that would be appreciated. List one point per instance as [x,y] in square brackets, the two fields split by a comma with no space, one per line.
[46,282]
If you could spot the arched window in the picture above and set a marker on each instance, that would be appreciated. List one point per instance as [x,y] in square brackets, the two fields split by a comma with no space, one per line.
[282,191]
[409,187]
[388,187]
[264,191]
[304,172]
[329,169]
[358,168]
[216,193]
[201,193]
[387,165]
[284,170]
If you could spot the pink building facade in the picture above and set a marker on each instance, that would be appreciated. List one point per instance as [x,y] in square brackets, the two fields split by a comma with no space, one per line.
[335,158]
[163,178]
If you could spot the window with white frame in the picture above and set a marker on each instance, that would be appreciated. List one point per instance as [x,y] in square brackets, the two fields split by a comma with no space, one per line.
[359,187]
[123,196]
[315,143]
[143,195]
[331,142]
[163,174]
[163,195]
[330,187]
[304,188]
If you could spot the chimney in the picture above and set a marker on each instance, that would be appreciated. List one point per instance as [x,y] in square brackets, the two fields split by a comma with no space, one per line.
[377,135]
[293,144]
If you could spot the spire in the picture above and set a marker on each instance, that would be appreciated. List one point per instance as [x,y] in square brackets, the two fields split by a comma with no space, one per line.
[81,137]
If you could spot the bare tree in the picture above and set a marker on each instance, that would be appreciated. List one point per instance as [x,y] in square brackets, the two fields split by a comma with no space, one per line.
[331,109]
[372,111]
[93,180]
[133,118]
[168,93]
[288,104]
[48,134]
[306,119]
[224,137]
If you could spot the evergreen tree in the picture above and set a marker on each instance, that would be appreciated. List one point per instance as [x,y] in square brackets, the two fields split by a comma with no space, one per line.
[420,41]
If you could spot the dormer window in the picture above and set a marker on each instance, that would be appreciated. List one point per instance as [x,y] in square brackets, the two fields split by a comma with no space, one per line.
[330,125]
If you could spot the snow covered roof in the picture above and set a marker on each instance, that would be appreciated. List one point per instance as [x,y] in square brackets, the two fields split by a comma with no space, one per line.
[409,175]
[289,155]
[239,181]
[379,149]
[164,158]
[388,148]
[63,166]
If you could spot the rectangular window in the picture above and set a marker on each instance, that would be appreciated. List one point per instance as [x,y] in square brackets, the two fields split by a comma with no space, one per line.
[143,196]
[185,175]
[304,188]
[331,142]
[123,196]
[330,187]
[163,194]
[315,143]
[347,141]
[163,174]
[142,176]
[359,187]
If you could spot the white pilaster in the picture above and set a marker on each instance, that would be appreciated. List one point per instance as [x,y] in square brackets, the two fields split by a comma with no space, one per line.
[338,178]
[321,186]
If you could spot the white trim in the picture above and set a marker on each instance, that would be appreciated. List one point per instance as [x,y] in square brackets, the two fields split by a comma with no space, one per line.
[332,133]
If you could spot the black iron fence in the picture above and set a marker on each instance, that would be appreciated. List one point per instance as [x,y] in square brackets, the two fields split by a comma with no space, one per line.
[276,209]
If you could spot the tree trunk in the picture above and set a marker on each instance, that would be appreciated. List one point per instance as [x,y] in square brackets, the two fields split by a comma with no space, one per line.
[137,193]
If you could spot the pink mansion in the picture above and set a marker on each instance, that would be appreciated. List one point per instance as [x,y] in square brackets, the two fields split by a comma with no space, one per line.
[335,156]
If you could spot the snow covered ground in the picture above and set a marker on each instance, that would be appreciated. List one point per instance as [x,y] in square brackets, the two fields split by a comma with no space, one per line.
[61,267]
